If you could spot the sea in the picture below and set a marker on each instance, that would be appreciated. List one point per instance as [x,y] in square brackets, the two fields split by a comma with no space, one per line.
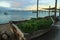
[22,15]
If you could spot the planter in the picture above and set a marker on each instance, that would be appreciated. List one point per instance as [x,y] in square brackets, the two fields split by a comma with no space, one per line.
[34,28]
[32,35]
[36,34]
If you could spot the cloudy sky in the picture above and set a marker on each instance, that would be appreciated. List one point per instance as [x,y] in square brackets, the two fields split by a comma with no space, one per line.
[27,4]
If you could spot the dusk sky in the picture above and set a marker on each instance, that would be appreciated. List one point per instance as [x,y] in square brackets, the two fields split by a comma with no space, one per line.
[27,4]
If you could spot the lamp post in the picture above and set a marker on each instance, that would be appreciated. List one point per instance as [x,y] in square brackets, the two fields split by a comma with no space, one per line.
[55,10]
[49,10]
[37,8]
[59,14]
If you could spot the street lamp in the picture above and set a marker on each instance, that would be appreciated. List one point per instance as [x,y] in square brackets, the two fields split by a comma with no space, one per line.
[37,7]
[55,10]
[49,10]
[59,14]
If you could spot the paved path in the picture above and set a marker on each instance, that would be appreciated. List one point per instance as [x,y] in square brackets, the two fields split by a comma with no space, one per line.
[54,34]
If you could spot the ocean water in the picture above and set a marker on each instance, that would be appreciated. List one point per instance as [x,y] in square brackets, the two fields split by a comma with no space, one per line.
[5,19]
[21,15]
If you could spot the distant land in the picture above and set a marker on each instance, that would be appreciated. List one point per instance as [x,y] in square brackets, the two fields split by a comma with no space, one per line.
[3,9]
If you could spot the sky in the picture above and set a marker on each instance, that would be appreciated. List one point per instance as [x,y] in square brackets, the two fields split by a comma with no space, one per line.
[27,4]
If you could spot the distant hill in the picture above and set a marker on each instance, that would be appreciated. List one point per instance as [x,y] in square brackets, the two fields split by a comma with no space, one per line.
[3,9]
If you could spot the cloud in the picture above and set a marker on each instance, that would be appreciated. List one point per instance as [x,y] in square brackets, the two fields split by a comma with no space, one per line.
[31,4]
[5,4]
[34,7]
[16,4]
[15,8]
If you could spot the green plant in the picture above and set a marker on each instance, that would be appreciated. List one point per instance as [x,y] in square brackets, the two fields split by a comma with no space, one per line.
[34,25]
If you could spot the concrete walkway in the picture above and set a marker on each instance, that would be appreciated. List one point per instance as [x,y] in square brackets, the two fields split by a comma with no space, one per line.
[54,34]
